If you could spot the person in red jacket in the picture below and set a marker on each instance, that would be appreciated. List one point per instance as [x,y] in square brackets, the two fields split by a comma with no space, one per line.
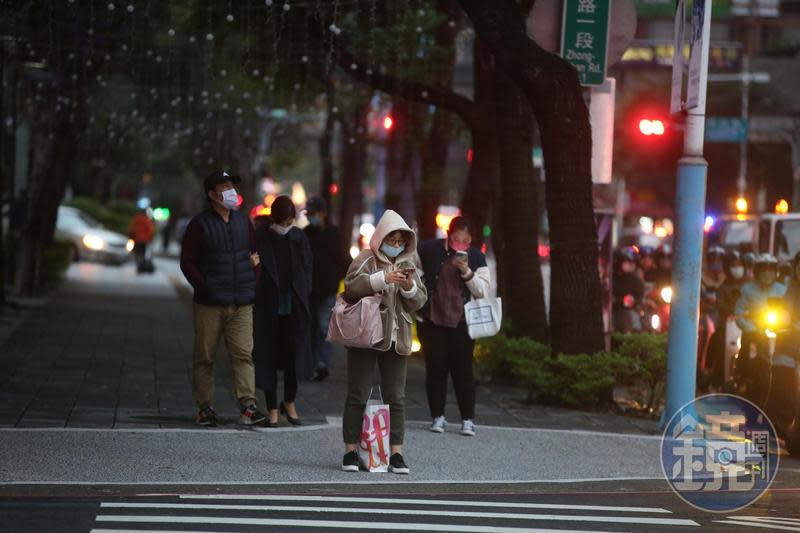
[141,230]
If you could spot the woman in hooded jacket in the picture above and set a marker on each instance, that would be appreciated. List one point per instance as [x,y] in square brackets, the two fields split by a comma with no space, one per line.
[390,267]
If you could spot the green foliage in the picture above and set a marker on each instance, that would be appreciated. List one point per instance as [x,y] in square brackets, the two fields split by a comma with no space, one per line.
[55,261]
[116,216]
[588,380]
[648,351]
[491,355]
[583,380]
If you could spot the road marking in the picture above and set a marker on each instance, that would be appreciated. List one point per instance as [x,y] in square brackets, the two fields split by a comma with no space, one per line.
[384,511]
[751,523]
[778,519]
[150,531]
[412,501]
[395,526]
[337,421]
[206,431]
[377,481]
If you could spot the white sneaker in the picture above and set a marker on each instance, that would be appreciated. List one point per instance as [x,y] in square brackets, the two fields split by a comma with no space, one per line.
[439,423]
[468,428]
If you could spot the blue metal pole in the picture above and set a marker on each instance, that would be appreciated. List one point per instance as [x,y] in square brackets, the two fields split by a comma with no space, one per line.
[683,317]
[690,201]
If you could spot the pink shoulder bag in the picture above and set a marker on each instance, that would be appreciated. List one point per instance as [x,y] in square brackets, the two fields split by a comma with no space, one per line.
[356,325]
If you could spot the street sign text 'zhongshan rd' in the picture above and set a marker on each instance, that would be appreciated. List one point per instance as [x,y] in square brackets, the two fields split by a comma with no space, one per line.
[584,38]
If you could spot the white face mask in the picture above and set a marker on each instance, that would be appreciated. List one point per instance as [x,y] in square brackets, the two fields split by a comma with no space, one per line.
[230,198]
[280,230]
[737,272]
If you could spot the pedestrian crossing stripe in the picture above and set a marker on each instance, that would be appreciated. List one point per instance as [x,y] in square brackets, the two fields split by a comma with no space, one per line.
[764,522]
[418,512]
[412,501]
[391,526]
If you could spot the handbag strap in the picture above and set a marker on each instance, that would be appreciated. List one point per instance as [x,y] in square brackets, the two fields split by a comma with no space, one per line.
[380,394]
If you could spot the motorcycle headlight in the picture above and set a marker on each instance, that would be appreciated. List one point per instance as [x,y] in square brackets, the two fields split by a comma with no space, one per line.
[771,318]
[129,245]
[655,322]
[93,242]
[666,294]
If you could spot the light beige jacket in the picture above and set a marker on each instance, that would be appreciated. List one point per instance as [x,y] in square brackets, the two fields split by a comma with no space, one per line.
[366,276]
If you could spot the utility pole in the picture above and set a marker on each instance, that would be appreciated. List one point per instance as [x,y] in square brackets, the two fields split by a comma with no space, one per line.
[690,213]
[741,181]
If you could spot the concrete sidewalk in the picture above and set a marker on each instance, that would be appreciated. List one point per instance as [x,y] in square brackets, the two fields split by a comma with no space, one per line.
[113,350]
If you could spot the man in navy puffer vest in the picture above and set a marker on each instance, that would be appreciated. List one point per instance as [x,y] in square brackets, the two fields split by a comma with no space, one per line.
[219,260]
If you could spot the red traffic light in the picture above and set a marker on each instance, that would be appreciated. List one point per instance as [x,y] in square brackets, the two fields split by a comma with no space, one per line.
[651,127]
[388,123]
[334,189]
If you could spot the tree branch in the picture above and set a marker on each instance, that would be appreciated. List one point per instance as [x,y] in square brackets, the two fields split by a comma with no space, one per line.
[382,81]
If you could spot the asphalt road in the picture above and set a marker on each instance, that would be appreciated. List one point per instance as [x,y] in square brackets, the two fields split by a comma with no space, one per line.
[125,456]
[630,506]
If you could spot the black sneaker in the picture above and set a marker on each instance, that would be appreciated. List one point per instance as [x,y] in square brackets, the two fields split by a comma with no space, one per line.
[397,465]
[350,462]
[251,416]
[206,416]
[321,373]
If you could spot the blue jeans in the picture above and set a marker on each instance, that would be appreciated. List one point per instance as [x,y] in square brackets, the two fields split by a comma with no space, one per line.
[322,311]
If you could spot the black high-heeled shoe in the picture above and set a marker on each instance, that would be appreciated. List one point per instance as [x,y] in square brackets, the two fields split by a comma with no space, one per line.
[292,421]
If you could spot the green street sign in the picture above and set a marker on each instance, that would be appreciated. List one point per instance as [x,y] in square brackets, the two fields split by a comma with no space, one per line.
[726,129]
[584,38]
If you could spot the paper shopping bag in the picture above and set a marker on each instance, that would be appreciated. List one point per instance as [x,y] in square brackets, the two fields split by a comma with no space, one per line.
[373,450]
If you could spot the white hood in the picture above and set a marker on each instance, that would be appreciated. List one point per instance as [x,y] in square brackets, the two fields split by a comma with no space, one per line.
[390,222]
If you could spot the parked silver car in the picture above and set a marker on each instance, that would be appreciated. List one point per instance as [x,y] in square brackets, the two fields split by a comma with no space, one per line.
[91,241]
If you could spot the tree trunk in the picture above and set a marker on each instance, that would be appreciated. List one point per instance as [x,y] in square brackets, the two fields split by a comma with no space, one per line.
[552,88]
[325,142]
[354,157]
[435,152]
[400,159]
[480,194]
[523,296]
[434,169]
[52,159]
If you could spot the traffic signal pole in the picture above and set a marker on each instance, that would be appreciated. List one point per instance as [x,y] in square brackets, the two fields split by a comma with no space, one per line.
[687,263]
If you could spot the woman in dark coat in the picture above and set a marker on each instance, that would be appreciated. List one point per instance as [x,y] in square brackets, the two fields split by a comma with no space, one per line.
[281,320]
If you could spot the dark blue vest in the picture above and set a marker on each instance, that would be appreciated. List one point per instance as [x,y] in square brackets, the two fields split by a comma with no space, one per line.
[230,278]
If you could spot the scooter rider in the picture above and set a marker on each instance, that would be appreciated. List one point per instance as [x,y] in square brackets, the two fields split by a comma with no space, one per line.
[647,264]
[754,297]
[628,290]
[662,277]
[793,294]
[713,269]
[727,296]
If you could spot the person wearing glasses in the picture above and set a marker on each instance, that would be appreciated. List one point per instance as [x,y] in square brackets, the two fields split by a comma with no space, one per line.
[391,267]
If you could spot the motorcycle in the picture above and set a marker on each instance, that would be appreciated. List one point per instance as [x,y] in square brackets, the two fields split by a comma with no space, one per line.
[627,315]
[656,309]
[705,330]
[767,372]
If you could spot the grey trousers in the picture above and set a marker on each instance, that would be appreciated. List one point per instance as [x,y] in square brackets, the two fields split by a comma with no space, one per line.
[360,366]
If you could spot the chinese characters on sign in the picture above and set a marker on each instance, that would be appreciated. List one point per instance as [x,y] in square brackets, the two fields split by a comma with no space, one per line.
[584,38]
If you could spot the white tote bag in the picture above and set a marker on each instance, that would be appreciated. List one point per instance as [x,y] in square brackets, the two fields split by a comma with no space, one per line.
[373,448]
[484,317]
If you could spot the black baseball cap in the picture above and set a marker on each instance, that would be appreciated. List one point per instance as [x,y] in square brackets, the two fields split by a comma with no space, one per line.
[316,204]
[220,176]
